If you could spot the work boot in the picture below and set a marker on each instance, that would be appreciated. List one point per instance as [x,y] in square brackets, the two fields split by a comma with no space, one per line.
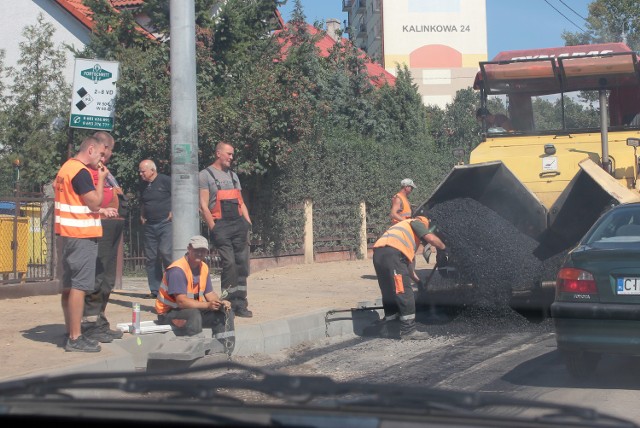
[95,332]
[106,329]
[104,326]
[116,334]
[99,336]
[81,344]
[409,331]
[243,313]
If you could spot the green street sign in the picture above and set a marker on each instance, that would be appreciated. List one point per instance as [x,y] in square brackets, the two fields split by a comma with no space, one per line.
[91,122]
[96,73]
[93,98]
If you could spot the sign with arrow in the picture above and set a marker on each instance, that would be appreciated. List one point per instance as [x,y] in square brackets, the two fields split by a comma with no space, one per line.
[94,94]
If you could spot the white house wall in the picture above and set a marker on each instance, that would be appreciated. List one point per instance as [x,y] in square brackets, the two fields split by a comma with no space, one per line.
[15,15]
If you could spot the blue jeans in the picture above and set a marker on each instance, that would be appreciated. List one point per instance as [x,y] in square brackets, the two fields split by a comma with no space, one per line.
[158,243]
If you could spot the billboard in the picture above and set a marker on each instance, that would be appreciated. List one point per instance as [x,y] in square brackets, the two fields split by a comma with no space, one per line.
[440,41]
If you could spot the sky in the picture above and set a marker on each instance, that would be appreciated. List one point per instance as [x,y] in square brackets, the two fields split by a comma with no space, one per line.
[511,24]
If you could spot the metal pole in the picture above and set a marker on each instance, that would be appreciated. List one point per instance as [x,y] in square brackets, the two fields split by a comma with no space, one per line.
[70,149]
[604,131]
[14,243]
[184,126]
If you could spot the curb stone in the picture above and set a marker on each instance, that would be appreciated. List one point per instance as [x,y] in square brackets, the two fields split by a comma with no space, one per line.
[134,353]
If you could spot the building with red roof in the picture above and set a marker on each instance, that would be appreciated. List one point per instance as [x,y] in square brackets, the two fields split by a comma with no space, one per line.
[378,75]
[73,24]
[71,20]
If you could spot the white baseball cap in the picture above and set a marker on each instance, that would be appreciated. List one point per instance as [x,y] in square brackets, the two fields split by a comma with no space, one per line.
[199,242]
[408,182]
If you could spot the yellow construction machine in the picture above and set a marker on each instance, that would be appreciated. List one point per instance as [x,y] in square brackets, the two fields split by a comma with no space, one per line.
[556,171]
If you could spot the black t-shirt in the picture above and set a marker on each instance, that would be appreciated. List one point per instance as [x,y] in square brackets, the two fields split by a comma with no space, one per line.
[82,182]
[156,198]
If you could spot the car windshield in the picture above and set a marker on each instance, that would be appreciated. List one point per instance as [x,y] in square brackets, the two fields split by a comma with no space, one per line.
[320,213]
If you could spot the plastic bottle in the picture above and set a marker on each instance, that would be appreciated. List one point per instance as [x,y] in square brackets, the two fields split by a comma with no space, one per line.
[135,319]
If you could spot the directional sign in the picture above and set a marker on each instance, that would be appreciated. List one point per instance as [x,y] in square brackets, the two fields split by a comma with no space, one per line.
[94,93]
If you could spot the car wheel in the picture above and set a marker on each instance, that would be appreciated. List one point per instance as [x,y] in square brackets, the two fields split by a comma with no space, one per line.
[581,364]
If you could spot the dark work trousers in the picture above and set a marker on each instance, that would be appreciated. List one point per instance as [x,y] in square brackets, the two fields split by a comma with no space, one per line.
[221,323]
[392,270]
[158,244]
[230,238]
[96,302]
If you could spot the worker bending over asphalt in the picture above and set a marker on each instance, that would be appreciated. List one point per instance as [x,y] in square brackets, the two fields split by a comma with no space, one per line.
[393,256]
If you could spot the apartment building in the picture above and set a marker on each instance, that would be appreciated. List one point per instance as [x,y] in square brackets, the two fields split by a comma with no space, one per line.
[440,41]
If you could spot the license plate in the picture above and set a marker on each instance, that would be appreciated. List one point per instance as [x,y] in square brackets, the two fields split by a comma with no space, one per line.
[628,286]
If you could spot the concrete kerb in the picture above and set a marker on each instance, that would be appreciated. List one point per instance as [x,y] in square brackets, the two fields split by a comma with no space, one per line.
[275,336]
[136,352]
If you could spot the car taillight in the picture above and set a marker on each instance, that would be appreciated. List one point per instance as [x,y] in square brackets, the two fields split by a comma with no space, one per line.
[571,280]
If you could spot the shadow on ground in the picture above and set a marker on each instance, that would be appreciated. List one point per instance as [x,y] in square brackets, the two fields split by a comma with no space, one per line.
[148,306]
[548,371]
[49,333]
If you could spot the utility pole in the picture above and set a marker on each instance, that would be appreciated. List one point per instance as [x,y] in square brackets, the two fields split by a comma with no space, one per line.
[184,126]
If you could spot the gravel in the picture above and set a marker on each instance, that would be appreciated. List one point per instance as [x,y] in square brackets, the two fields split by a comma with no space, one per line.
[490,252]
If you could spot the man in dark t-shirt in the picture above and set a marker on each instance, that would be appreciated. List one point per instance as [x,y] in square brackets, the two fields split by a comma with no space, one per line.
[155,215]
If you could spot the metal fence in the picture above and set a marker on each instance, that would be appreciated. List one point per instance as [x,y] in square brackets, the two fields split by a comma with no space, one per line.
[28,248]
[28,242]
[27,239]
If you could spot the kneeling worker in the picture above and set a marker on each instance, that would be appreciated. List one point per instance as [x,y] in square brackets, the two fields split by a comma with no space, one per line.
[393,255]
[186,299]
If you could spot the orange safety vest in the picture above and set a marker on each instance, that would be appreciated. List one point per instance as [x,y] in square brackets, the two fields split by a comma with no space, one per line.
[166,302]
[401,237]
[405,207]
[73,218]
[230,196]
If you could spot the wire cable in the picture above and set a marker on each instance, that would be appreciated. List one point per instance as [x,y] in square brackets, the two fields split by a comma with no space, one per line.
[569,7]
[564,16]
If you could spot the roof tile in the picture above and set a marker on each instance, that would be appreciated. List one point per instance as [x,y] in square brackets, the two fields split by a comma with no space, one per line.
[378,75]
[83,13]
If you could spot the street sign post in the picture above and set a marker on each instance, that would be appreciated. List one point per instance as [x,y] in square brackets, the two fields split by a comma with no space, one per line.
[94,93]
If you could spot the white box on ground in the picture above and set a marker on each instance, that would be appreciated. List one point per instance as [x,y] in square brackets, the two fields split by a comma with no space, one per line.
[146,327]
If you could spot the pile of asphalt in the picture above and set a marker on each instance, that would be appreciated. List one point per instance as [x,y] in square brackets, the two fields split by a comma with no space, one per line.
[489,251]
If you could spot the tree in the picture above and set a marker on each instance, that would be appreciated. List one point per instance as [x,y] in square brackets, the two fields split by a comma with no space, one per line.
[609,21]
[38,95]
[5,164]
[303,124]
[114,30]
[143,112]
[241,31]
[460,127]
[3,74]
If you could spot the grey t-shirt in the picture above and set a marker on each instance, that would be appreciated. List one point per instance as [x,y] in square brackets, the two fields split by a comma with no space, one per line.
[225,178]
